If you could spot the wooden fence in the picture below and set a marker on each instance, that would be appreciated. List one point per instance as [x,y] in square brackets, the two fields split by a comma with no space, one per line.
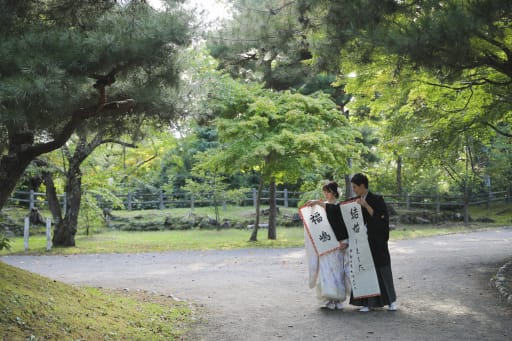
[161,200]
[32,199]
[439,202]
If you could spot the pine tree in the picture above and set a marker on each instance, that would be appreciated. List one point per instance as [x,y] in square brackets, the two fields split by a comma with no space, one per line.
[67,63]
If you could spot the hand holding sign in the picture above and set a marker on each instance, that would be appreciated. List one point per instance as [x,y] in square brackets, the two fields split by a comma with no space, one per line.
[362,270]
[318,229]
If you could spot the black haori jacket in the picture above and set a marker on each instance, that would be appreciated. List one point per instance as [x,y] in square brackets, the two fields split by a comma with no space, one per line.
[378,229]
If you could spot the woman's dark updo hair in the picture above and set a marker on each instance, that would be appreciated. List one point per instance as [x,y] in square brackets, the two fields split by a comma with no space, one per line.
[333,188]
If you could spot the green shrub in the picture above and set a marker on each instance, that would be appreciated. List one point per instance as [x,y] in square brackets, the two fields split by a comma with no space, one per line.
[4,242]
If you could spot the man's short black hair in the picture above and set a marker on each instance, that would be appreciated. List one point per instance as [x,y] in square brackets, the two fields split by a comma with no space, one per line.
[360,179]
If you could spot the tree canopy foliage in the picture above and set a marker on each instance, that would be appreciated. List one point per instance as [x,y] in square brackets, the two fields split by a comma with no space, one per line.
[68,63]
[464,45]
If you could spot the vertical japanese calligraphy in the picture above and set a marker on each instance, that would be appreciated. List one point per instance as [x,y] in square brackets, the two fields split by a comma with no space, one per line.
[318,229]
[362,270]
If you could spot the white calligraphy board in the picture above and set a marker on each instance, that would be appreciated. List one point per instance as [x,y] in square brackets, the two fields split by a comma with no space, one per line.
[318,229]
[362,270]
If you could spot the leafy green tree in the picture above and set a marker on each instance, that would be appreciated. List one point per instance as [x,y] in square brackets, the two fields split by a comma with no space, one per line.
[430,128]
[210,184]
[459,49]
[444,133]
[464,45]
[267,41]
[498,168]
[281,136]
[80,51]
[66,226]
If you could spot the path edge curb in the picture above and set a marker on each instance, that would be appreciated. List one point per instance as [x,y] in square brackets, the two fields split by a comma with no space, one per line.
[500,281]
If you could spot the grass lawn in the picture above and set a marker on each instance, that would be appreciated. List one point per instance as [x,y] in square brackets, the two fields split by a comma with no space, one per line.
[37,308]
[106,240]
[132,242]
[122,241]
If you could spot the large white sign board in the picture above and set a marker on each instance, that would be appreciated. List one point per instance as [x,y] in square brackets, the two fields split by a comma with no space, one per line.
[318,229]
[362,270]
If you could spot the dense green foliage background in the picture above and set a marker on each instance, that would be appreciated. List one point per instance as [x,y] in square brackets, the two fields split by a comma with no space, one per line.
[291,93]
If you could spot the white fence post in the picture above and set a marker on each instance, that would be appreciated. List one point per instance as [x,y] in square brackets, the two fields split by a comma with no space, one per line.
[129,201]
[48,234]
[161,193]
[25,232]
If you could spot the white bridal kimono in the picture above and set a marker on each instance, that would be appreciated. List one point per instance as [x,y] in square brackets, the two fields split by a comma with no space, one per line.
[329,273]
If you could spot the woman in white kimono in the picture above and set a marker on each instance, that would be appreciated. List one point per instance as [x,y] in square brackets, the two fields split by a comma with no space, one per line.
[329,273]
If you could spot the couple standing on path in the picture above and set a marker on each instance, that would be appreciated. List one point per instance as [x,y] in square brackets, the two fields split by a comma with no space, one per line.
[330,273]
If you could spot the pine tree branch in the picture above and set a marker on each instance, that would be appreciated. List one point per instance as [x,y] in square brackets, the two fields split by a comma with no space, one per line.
[78,117]
[496,43]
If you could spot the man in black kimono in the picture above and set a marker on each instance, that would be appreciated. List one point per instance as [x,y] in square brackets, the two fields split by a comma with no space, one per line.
[376,218]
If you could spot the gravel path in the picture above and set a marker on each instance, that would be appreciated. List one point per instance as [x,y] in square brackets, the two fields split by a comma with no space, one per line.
[442,285]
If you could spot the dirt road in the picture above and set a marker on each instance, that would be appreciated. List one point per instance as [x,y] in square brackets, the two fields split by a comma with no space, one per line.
[442,285]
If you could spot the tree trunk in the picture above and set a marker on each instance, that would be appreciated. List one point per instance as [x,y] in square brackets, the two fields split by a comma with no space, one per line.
[399,175]
[12,166]
[348,187]
[65,230]
[348,184]
[272,211]
[217,213]
[51,196]
[267,72]
[254,234]
[466,203]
